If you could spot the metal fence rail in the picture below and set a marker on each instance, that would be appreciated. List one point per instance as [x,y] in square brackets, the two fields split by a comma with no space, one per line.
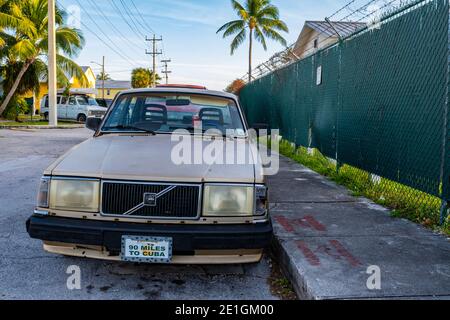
[377,101]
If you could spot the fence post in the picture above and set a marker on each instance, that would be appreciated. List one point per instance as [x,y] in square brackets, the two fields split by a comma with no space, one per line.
[445,165]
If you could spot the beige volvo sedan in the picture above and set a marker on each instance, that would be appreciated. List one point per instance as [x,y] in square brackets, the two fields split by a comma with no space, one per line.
[170,176]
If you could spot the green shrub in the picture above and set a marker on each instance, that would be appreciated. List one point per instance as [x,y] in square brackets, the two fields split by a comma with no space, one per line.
[16,106]
[404,201]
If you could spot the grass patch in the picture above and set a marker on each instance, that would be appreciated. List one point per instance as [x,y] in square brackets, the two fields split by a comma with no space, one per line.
[405,202]
[280,286]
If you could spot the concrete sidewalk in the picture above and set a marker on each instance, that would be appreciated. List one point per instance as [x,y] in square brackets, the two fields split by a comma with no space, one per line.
[326,240]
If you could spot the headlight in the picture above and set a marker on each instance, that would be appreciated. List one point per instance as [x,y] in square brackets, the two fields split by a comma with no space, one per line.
[74,195]
[42,198]
[228,200]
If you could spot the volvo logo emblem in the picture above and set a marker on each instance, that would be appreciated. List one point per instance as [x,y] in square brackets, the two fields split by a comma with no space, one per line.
[150,199]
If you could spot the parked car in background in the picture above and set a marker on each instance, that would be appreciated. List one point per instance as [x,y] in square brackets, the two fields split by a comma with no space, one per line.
[106,103]
[120,195]
[74,107]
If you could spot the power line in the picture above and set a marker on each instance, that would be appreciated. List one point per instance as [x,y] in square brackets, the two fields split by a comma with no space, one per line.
[97,8]
[142,18]
[100,39]
[101,29]
[125,19]
[130,15]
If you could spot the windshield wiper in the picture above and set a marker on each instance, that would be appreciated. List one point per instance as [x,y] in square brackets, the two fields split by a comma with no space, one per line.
[122,127]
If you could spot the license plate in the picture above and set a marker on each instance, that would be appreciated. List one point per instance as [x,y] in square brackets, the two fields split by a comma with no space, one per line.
[146,249]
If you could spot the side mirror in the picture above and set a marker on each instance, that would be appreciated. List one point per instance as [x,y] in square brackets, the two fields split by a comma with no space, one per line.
[93,123]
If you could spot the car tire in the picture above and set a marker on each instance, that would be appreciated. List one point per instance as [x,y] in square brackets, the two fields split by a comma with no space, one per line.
[81,118]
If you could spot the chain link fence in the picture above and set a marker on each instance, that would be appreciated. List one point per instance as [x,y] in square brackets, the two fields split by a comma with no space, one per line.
[377,104]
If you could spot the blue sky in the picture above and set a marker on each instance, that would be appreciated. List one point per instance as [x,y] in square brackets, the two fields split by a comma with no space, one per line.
[188,28]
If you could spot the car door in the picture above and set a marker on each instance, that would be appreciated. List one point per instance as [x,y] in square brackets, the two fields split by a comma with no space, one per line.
[83,106]
[72,107]
[62,107]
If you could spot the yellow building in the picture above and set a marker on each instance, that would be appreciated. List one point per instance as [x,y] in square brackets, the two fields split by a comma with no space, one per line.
[112,87]
[74,84]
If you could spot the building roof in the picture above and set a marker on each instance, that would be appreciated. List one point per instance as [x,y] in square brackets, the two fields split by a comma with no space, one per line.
[85,68]
[343,28]
[113,84]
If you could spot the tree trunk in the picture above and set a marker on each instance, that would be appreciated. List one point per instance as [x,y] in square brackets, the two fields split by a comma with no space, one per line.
[250,56]
[14,87]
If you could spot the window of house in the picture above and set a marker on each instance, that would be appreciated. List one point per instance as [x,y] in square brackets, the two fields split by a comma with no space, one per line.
[316,43]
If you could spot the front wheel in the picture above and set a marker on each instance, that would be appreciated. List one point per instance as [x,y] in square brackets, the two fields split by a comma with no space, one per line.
[81,118]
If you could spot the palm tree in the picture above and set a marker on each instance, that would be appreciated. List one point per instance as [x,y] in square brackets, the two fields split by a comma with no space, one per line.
[103,76]
[143,78]
[262,20]
[25,47]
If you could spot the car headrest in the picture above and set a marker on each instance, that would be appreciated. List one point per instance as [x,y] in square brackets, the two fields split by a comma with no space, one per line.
[211,115]
[154,113]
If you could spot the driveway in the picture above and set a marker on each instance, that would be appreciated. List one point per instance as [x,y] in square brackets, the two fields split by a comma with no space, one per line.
[27,272]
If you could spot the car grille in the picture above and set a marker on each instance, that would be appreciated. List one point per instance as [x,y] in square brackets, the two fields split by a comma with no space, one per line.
[172,201]
[97,113]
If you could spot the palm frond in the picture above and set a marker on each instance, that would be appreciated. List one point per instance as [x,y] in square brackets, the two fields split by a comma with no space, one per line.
[269,11]
[259,36]
[238,40]
[275,24]
[68,41]
[240,10]
[229,25]
[23,50]
[8,21]
[71,68]
[234,28]
[274,35]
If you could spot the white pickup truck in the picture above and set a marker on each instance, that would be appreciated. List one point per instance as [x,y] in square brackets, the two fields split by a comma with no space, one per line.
[74,107]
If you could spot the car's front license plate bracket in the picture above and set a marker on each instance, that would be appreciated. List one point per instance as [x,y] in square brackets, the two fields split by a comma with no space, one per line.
[146,249]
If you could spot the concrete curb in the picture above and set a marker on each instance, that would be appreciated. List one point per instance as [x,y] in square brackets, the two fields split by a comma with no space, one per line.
[331,245]
[75,126]
[291,271]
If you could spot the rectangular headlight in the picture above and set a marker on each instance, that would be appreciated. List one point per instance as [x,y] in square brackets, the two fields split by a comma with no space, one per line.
[74,194]
[228,200]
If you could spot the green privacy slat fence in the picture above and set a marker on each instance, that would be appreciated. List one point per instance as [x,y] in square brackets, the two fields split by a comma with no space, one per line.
[382,103]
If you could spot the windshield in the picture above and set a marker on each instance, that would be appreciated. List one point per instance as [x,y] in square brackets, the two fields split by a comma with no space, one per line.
[86,101]
[165,113]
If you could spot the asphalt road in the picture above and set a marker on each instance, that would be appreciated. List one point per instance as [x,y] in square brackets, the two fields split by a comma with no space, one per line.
[28,272]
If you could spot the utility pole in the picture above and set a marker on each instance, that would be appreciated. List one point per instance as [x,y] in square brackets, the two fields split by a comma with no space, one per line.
[154,53]
[52,84]
[103,78]
[166,72]
[103,75]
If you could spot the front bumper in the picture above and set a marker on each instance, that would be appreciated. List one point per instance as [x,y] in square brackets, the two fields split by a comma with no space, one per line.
[187,239]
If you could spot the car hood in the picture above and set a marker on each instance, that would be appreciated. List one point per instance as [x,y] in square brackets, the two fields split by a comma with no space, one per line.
[149,158]
[96,108]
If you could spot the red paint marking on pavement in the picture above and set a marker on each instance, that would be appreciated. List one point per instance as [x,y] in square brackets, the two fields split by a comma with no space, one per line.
[309,255]
[315,224]
[345,253]
[284,223]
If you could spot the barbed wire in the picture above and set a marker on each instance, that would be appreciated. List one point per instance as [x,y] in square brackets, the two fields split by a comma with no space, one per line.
[366,12]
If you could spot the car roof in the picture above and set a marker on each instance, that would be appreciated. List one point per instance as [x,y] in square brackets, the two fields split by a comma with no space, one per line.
[181,90]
